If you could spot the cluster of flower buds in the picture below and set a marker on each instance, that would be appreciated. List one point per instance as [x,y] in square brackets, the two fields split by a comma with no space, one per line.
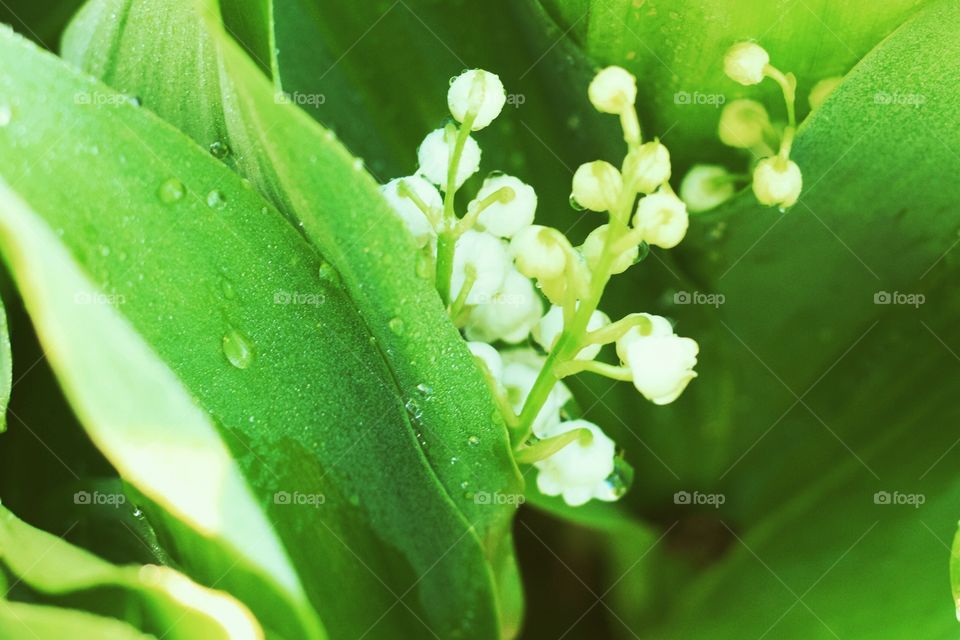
[495,269]
[745,124]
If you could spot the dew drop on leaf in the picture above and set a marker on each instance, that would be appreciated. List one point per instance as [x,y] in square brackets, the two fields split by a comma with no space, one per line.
[413,409]
[171,191]
[473,441]
[425,390]
[227,289]
[576,206]
[238,349]
[424,266]
[219,150]
[329,275]
[6,114]
[216,199]
[396,326]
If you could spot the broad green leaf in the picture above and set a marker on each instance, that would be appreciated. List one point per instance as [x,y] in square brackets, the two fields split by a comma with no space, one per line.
[177,606]
[676,50]
[317,183]
[840,399]
[230,357]
[20,621]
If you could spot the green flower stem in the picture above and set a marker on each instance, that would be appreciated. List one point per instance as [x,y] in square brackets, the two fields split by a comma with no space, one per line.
[446,238]
[503,194]
[572,367]
[546,448]
[616,330]
[461,301]
[431,214]
[571,341]
[788,86]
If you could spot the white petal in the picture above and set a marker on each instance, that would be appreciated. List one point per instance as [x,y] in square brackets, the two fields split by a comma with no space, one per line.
[488,258]
[505,219]
[489,356]
[434,158]
[485,87]
[411,215]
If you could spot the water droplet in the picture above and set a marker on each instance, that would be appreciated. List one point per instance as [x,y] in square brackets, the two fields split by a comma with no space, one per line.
[464,484]
[425,389]
[6,114]
[216,199]
[104,250]
[358,164]
[171,191]
[237,349]
[137,512]
[473,441]
[496,173]
[413,409]
[219,150]
[424,266]
[134,100]
[329,275]
[454,460]
[576,206]
[643,250]
[396,326]
[227,289]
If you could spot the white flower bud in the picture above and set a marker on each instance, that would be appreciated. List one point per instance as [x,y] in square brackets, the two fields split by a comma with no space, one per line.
[504,219]
[597,186]
[509,315]
[613,90]
[777,182]
[706,186]
[662,219]
[413,218]
[550,327]
[593,248]
[479,91]
[539,252]
[490,357]
[434,157]
[745,62]
[647,167]
[822,90]
[659,327]
[742,124]
[486,258]
[520,370]
[578,471]
[661,365]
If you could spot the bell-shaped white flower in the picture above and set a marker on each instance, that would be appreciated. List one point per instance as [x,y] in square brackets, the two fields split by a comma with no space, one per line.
[597,186]
[550,327]
[706,186]
[509,315]
[595,245]
[579,471]
[660,362]
[413,218]
[745,62]
[777,181]
[434,157]
[482,258]
[613,90]
[505,219]
[520,370]
[539,252]
[479,91]
[662,219]
[743,123]
[490,357]
[647,167]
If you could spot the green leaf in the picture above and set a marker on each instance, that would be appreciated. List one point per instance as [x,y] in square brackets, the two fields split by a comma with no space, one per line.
[676,49]
[31,621]
[6,367]
[193,277]
[177,607]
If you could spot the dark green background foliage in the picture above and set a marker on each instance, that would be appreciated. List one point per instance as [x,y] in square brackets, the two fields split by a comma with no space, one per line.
[813,404]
